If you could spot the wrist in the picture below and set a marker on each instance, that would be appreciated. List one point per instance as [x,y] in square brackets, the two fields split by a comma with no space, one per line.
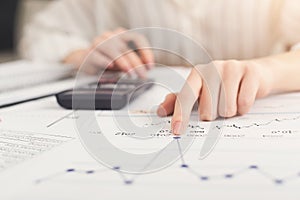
[270,76]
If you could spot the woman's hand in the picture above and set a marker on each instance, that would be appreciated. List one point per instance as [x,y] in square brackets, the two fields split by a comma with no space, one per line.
[111,50]
[222,88]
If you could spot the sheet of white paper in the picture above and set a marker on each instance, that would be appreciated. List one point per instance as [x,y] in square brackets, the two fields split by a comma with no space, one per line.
[256,157]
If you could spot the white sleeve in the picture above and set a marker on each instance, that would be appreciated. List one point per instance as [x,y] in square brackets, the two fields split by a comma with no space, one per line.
[64,26]
[290,24]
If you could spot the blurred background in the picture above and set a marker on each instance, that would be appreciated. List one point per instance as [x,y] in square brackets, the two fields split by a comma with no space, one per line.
[14,14]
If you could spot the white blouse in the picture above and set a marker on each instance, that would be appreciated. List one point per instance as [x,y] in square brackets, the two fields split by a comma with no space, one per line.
[231,29]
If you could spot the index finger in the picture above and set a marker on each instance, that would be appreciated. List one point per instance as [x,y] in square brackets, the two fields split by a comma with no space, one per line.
[185,101]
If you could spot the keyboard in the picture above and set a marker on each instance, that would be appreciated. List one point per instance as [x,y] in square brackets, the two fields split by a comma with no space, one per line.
[24,74]
[23,81]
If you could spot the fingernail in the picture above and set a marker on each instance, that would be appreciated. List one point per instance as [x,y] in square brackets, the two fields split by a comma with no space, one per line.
[205,117]
[176,128]
[161,111]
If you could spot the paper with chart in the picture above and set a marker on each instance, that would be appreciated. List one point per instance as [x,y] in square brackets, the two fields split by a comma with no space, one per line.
[257,155]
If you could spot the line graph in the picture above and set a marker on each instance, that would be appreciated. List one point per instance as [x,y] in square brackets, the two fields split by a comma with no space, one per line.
[231,125]
[61,118]
[259,124]
[244,125]
[276,180]
[166,121]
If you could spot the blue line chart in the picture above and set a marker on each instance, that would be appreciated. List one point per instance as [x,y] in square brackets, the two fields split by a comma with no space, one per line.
[183,165]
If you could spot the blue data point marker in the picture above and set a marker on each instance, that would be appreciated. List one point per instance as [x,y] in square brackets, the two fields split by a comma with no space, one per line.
[90,171]
[70,170]
[228,176]
[176,137]
[184,166]
[204,178]
[278,181]
[116,168]
[253,167]
[128,182]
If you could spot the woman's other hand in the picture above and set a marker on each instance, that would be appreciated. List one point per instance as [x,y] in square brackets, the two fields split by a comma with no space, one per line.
[111,50]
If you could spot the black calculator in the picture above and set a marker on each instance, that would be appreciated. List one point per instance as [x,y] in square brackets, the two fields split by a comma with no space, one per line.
[112,92]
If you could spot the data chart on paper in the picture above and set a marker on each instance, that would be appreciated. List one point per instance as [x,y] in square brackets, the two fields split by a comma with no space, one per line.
[256,152]
[256,155]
